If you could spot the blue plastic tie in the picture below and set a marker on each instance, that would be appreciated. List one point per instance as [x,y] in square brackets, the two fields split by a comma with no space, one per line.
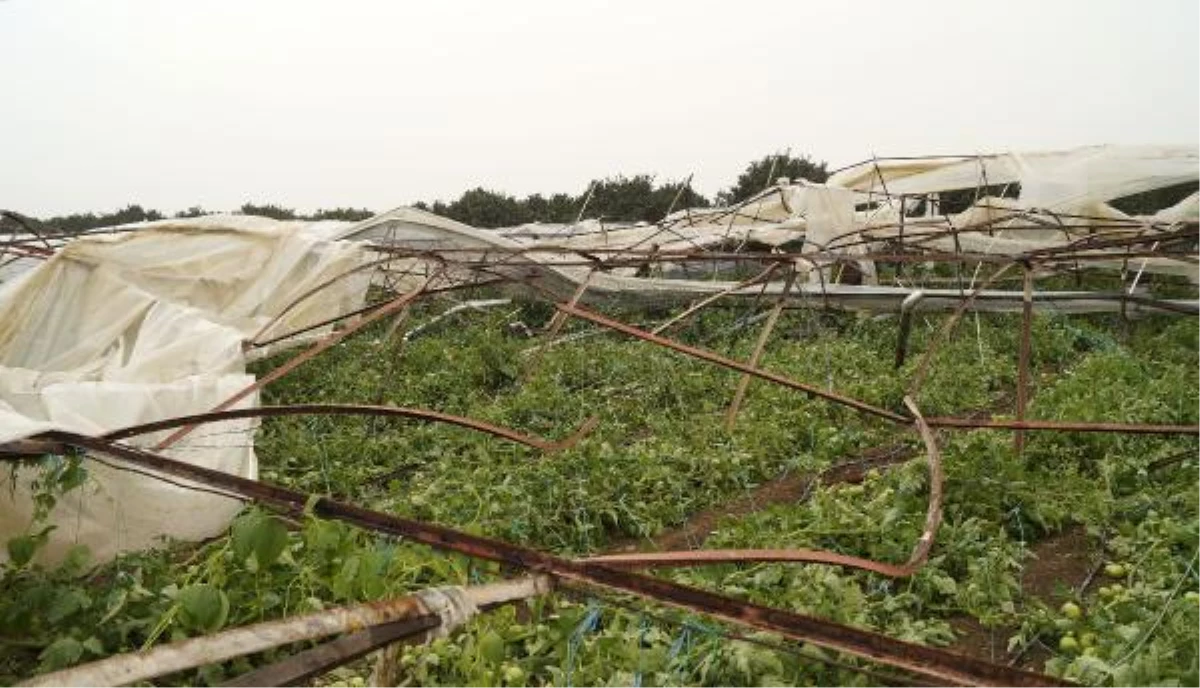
[590,620]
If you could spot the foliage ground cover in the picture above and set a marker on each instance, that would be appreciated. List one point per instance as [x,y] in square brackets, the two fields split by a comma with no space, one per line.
[661,454]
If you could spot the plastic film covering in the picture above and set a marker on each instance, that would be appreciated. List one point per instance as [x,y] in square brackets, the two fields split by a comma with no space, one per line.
[148,324]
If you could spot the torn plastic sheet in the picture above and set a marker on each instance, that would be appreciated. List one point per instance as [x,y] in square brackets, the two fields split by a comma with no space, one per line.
[144,325]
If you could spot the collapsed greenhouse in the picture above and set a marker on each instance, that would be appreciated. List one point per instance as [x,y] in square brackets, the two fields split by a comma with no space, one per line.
[138,365]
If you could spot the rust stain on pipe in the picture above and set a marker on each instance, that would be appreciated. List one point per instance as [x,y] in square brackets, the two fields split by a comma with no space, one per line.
[358,410]
[931,663]
[711,357]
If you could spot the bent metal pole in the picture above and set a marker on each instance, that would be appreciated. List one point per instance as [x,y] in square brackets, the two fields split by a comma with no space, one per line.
[132,667]
[929,663]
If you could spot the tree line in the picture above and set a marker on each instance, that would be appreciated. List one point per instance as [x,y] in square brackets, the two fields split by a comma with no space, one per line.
[617,198]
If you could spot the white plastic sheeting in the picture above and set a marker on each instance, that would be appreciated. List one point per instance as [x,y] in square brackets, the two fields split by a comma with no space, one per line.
[24,254]
[419,230]
[1056,180]
[1066,192]
[149,324]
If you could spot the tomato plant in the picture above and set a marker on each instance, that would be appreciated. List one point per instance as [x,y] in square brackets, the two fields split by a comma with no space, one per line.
[659,456]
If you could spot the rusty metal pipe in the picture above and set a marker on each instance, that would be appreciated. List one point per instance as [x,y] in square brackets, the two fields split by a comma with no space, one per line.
[321,345]
[1063,426]
[132,667]
[920,553]
[356,410]
[711,357]
[931,663]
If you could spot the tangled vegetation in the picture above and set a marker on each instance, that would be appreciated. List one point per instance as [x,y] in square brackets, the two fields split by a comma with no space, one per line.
[659,456]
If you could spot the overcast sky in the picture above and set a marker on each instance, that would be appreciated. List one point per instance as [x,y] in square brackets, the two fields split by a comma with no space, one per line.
[378,104]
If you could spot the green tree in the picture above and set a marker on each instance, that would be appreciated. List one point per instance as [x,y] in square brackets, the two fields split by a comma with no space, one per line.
[674,196]
[350,214]
[617,198]
[269,210]
[762,173]
[559,208]
[633,199]
[78,222]
[132,213]
[622,198]
[194,211]
[480,207]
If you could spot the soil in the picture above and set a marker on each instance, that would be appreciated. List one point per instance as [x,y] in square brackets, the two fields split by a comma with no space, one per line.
[1062,563]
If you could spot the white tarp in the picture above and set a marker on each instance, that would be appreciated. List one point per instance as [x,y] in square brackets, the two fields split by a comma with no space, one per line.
[1074,184]
[148,324]
[1065,181]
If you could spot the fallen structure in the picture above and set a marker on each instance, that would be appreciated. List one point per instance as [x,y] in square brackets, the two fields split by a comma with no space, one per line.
[131,344]
[1060,220]
[130,327]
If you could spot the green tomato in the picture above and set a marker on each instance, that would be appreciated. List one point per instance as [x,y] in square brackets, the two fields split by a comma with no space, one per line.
[1114,571]
[1088,640]
[1068,644]
[1106,593]
[514,675]
[1071,610]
